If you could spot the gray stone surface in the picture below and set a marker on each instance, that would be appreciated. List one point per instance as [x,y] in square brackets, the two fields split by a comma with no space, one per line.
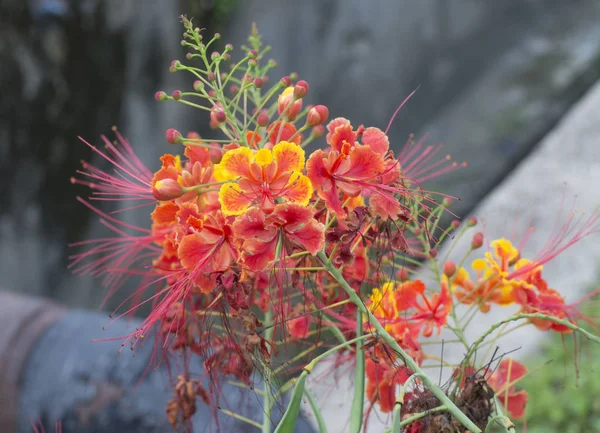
[564,167]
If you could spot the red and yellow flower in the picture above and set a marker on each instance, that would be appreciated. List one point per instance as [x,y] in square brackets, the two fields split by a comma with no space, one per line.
[262,178]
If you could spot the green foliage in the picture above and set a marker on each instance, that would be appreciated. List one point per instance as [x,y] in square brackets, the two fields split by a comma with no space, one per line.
[559,401]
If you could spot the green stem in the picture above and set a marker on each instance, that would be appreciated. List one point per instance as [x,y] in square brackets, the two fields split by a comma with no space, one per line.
[391,341]
[267,403]
[316,411]
[356,413]
[540,316]
[241,418]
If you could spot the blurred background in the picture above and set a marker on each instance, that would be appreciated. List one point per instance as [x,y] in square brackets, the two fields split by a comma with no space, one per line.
[493,78]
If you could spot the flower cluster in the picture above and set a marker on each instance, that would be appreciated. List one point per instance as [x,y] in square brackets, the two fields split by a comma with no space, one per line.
[256,241]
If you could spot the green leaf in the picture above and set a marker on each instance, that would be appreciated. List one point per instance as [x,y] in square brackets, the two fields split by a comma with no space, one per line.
[288,422]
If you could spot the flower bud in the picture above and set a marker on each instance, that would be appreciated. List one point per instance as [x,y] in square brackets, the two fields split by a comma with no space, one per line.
[402,275]
[433,253]
[217,36]
[218,115]
[189,56]
[472,221]
[253,54]
[285,82]
[477,240]
[259,82]
[176,95]
[455,224]
[263,118]
[227,57]
[211,76]
[449,268]
[300,89]
[317,115]
[294,76]
[160,96]
[228,48]
[447,202]
[193,135]
[215,154]
[234,89]
[214,55]
[287,105]
[167,189]
[173,136]
[318,131]
[198,86]
[252,62]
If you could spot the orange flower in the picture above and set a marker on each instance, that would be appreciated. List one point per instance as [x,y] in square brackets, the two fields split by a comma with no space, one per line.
[383,381]
[289,223]
[262,178]
[502,382]
[208,250]
[433,312]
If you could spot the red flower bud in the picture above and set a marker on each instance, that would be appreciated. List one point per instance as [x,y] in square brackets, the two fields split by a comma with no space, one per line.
[318,131]
[259,82]
[449,268]
[477,240]
[160,96]
[455,224]
[317,115]
[301,89]
[263,118]
[433,253]
[472,222]
[253,54]
[173,136]
[198,86]
[285,82]
[167,189]
[176,95]
[402,275]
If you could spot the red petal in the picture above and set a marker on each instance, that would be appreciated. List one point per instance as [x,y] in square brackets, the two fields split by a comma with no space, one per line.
[252,225]
[377,139]
[365,163]
[516,404]
[193,252]
[258,254]
[331,126]
[311,236]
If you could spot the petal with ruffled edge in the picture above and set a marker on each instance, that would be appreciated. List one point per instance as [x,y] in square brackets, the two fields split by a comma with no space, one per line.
[164,213]
[233,200]
[333,124]
[288,156]
[252,225]
[384,206]
[235,163]
[364,163]
[257,254]
[376,139]
[194,252]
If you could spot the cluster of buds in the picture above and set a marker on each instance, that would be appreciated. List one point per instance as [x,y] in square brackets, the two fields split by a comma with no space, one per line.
[255,241]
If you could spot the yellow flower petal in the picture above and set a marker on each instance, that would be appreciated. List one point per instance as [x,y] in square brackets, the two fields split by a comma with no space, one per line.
[232,199]
[264,157]
[299,189]
[288,156]
[235,163]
